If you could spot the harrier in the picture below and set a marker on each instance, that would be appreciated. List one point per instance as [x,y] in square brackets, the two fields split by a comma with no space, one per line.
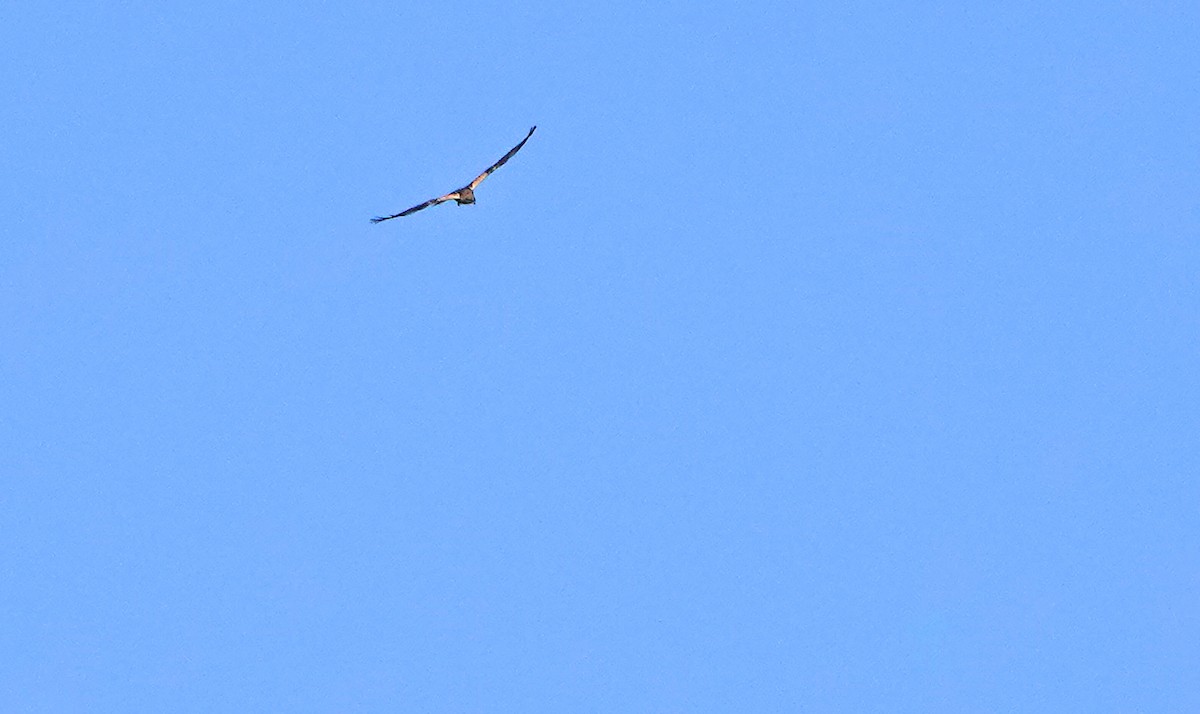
[466,194]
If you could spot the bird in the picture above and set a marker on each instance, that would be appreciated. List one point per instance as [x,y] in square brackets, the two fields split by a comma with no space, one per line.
[464,195]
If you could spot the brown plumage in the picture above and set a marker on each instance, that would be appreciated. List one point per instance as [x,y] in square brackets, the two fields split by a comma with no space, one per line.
[466,194]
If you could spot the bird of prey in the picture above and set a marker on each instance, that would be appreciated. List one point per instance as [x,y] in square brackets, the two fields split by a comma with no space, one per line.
[466,194]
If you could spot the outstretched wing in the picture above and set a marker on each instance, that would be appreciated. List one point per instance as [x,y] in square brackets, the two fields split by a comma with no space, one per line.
[479,179]
[414,209]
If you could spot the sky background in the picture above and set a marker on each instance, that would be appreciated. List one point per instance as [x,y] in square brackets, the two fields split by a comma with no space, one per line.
[825,357]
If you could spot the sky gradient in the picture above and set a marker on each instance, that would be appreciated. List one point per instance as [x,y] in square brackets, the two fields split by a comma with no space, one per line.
[818,357]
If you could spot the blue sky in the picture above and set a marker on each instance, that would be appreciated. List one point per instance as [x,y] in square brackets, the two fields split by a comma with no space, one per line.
[809,357]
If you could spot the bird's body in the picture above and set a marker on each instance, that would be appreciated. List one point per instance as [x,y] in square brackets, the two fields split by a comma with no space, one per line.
[464,195]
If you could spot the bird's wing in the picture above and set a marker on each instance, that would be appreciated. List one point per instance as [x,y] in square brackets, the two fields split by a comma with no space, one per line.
[479,179]
[414,209]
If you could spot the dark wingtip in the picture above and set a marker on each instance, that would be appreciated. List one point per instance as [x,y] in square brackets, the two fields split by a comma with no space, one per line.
[378,219]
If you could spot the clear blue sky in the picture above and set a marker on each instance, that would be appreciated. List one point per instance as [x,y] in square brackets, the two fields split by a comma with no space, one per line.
[826,357]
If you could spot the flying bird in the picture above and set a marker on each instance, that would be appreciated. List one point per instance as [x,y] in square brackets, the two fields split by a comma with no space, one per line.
[466,194]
